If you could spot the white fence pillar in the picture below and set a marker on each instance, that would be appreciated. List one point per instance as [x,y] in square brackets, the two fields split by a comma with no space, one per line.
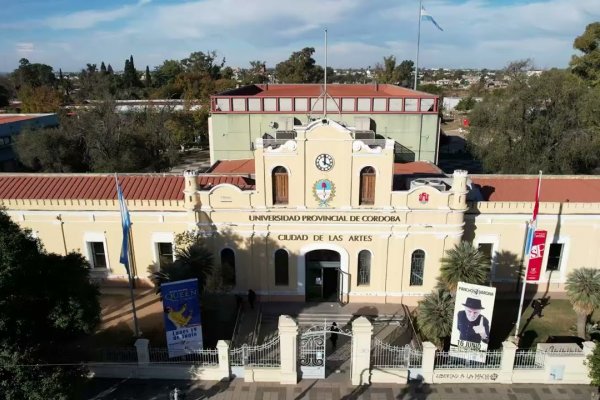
[143,355]
[361,351]
[428,361]
[224,367]
[507,365]
[288,345]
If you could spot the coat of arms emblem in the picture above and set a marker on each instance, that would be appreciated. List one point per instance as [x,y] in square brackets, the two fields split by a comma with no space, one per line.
[423,198]
[324,191]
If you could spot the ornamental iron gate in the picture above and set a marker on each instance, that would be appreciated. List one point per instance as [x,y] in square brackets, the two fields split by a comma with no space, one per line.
[313,350]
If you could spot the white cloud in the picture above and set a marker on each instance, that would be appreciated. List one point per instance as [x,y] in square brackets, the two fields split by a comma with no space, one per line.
[90,18]
[25,49]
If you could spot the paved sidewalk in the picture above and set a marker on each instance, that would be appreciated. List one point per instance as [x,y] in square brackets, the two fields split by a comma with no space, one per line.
[113,389]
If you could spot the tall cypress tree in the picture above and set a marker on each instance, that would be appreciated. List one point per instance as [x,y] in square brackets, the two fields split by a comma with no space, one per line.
[103,68]
[148,77]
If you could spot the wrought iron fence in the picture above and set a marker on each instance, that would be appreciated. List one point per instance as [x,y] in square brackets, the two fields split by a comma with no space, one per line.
[384,355]
[529,359]
[468,359]
[206,357]
[266,355]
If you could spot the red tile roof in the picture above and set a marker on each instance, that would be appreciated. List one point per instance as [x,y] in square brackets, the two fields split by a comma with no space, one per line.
[7,119]
[207,182]
[368,90]
[417,167]
[233,166]
[579,189]
[88,186]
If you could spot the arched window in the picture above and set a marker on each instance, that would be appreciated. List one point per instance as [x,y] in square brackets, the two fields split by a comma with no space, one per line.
[228,266]
[364,267]
[281,268]
[367,186]
[280,185]
[417,267]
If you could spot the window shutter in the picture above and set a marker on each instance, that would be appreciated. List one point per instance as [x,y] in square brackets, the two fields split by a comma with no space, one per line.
[367,188]
[281,187]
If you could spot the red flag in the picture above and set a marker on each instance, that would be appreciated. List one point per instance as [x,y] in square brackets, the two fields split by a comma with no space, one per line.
[536,206]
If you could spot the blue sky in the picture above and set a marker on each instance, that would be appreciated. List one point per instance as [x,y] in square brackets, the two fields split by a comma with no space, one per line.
[68,34]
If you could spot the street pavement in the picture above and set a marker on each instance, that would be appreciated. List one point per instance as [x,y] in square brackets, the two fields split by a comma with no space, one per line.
[135,389]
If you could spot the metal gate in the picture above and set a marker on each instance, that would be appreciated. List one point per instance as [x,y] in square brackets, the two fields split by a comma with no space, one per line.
[313,350]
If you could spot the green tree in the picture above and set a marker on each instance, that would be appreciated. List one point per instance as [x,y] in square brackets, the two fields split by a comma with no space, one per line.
[40,99]
[101,140]
[148,77]
[466,104]
[463,263]
[587,66]
[300,67]
[593,361]
[255,74]
[6,91]
[130,78]
[33,75]
[46,301]
[393,73]
[548,123]
[583,290]
[434,316]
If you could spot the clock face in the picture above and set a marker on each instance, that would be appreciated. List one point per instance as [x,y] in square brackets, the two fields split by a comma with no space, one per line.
[324,162]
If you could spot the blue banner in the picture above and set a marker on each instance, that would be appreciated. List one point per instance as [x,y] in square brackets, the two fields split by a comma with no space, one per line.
[181,307]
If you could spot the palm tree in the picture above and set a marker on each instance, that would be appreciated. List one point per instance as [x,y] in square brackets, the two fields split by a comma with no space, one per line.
[434,316]
[193,261]
[464,263]
[583,289]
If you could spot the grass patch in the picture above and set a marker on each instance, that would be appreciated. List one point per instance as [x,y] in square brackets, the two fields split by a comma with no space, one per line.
[558,319]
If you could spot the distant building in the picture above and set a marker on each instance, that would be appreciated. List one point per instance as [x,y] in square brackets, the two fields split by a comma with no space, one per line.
[124,106]
[10,126]
[375,111]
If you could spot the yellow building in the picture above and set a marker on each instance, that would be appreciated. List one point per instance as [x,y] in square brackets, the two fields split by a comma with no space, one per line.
[323,216]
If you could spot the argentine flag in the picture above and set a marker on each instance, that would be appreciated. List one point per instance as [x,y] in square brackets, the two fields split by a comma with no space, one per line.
[427,16]
[126,225]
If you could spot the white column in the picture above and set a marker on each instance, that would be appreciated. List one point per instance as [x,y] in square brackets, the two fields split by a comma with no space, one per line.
[224,367]
[361,351]
[288,347]
[428,361]
[509,351]
[143,355]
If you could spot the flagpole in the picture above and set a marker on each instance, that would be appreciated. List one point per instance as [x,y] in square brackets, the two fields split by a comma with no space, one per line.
[133,310]
[418,44]
[528,240]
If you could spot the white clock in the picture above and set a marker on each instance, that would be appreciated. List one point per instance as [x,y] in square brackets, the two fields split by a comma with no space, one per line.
[324,162]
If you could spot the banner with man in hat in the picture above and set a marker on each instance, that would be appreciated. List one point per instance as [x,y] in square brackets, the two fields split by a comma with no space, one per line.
[472,317]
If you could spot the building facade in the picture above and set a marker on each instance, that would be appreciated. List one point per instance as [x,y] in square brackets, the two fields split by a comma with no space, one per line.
[410,118]
[320,217]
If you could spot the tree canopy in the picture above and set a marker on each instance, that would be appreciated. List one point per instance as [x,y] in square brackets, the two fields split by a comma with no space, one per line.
[102,140]
[587,65]
[299,68]
[548,123]
[46,300]
[396,74]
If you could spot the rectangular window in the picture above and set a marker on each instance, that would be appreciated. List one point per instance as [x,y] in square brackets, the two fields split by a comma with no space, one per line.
[165,253]
[554,255]
[98,255]
[486,250]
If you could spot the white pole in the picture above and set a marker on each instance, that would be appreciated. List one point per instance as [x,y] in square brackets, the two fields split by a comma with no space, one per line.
[534,223]
[418,44]
[325,86]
